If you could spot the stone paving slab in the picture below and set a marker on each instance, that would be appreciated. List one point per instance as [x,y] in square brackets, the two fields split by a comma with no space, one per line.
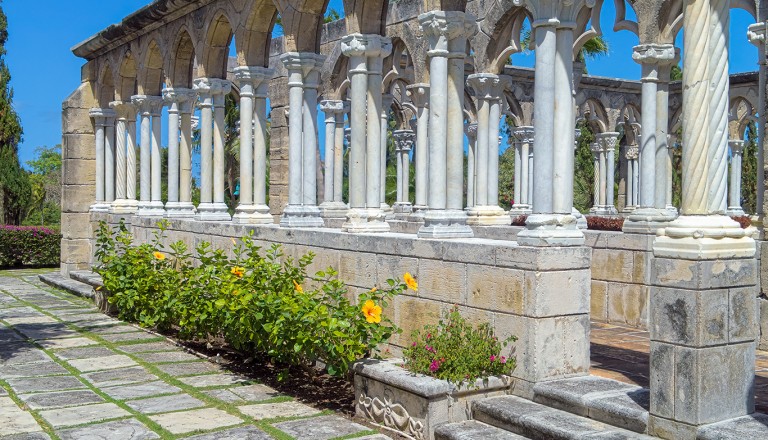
[21,353]
[320,428]
[127,337]
[102,363]
[78,415]
[46,331]
[114,329]
[166,357]
[42,319]
[15,421]
[244,394]
[148,347]
[244,433]
[156,405]
[42,384]
[129,429]
[27,436]
[60,399]
[212,380]
[148,389]
[60,344]
[43,368]
[85,352]
[261,411]
[194,420]
[120,376]
[188,368]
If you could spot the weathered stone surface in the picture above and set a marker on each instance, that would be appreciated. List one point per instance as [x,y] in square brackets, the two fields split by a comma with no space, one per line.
[471,430]
[689,317]
[85,352]
[125,392]
[60,399]
[706,274]
[102,363]
[320,428]
[155,405]
[60,344]
[119,376]
[82,414]
[15,421]
[40,369]
[625,410]
[28,436]
[572,395]
[129,429]
[168,356]
[754,426]
[198,419]
[20,353]
[612,265]
[441,281]
[598,301]
[501,289]
[40,384]
[188,368]
[243,394]
[262,411]
[128,337]
[146,348]
[245,433]
[212,380]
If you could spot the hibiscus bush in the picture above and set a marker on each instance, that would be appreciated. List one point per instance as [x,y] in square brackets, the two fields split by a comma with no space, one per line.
[261,303]
[29,246]
[456,351]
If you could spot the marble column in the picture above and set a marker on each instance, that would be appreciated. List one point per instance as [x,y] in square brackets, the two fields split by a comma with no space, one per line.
[211,93]
[179,144]
[663,196]
[100,117]
[303,78]
[386,105]
[609,141]
[703,302]
[756,34]
[471,131]
[581,220]
[523,143]
[333,207]
[486,210]
[149,108]
[404,140]
[109,158]
[651,213]
[447,32]
[598,199]
[338,161]
[734,186]
[631,154]
[671,141]
[252,208]
[419,94]
[126,117]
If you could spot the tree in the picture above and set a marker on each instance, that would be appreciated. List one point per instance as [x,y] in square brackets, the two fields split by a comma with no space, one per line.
[45,180]
[594,48]
[749,170]
[15,190]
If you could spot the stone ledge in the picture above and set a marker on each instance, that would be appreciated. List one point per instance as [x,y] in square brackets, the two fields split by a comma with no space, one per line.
[473,430]
[75,287]
[753,426]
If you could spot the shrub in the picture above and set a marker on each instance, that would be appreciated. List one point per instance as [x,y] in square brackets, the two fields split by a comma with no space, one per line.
[597,223]
[519,220]
[743,220]
[260,304]
[456,351]
[29,246]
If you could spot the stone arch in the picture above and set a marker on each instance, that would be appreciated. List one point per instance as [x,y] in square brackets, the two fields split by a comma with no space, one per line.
[741,113]
[594,114]
[302,24]
[182,62]
[334,85]
[254,35]
[151,75]
[499,37]
[126,80]
[399,63]
[366,16]
[672,23]
[218,38]
[513,109]
[105,88]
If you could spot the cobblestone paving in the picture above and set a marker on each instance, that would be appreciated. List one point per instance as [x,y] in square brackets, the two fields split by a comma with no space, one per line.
[70,372]
[621,353]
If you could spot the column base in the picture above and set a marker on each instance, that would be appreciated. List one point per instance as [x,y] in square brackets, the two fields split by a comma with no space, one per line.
[520,209]
[124,206]
[212,212]
[703,237]
[735,211]
[647,220]
[100,207]
[441,223]
[487,216]
[581,221]
[551,230]
[301,216]
[252,215]
[672,209]
[603,210]
[402,208]
[179,210]
[363,220]
[151,209]
[628,210]
[333,210]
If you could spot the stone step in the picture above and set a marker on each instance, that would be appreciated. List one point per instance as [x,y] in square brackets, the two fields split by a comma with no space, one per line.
[540,422]
[473,430]
[59,281]
[86,276]
[754,426]
[605,400]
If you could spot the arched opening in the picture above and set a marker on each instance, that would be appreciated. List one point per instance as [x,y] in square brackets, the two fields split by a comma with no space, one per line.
[183,61]
[152,80]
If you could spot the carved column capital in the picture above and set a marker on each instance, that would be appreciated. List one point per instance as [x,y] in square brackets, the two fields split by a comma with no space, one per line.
[180,99]
[442,27]
[125,110]
[609,140]
[524,135]
[251,78]
[148,105]
[737,146]
[404,140]
[103,116]
[471,130]
[419,94]
[485,85]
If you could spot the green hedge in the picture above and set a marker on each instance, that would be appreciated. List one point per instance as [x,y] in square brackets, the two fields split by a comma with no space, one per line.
[29,246]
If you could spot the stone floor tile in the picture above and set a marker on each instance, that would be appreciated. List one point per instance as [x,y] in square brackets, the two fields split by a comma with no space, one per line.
[226,396]
[213,380]
[42,384]
[166,357]
[244,433]
[320,428]
[78,415]
[3,392]
[255,393]
[129,429]
[60,399]
[121,376]
[21,353]
[102,363]
[27,436]
[156,405]
[148,347]
[46,368]
[374,437]
[8,335]
[115,329]
[84,353]
[47,331]
[20,312]
[60,344]
[127,337]
[31,320]
[188,368]
[15,421]
[283,409]
[194,420]
[125,392]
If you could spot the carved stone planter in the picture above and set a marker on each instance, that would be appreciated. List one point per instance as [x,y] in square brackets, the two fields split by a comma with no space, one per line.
[414,404]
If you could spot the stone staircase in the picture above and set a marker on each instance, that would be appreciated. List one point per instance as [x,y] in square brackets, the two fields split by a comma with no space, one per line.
[81,283]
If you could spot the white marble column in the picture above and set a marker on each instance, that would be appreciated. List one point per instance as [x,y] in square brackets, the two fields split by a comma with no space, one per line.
[419,94]
[596,149]
[471,131]
[734,186]
[252,208]
[651,213]
[609,141]
[100,117]
[366,54]
[581,220]
[447,32]
[179,144]
[338,161]
[126,117]
[150,108]
[756,34]
[109,157]
[333,207]
[524,142]
[486,211]
[303,78]
[386,105]
[404,140]
[671,141]
[130,160]
[157,167]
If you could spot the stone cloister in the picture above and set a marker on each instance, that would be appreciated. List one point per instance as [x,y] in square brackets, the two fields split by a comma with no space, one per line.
[439,70]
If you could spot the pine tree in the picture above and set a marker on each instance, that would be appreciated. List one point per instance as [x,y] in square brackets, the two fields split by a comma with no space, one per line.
[15,188]
[749,171]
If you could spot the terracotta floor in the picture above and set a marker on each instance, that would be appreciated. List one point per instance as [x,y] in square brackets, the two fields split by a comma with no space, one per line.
[621,353]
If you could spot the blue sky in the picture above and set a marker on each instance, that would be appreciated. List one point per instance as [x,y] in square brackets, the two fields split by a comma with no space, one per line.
[44,70]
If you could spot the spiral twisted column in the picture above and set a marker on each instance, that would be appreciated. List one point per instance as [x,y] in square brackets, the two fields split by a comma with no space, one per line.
[177,99]
[596,149]
[126,115]
[471,131]
[148,106]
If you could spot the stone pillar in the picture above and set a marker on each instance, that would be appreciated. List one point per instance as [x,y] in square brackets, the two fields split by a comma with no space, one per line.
[651,214]
[419,94]
[486,210]
[756,35]
[130,160]
[126,117]
[252,208]
[631,154]
[670,173]
[100,117]
[447,32]
[333,206]
[386,105]
[303,77]
[366,54]
[663,196]
[150,108]
[581,221]
[185,208]
[178,99]
[703,306]
[471,131]
[211,92]
[597,200]
[404,140]
[609,140]
[734,187]
[109,158]
[524,141]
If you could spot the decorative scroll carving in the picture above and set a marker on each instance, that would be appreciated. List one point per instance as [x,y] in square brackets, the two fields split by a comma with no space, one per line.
[392,415]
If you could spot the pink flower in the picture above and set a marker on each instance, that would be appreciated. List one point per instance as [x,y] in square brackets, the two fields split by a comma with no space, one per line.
[429,348]
[493,358]
[503,360]
[434,366]
[414,344]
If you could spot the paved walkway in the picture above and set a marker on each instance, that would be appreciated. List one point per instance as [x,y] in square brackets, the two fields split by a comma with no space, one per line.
[622,353]
[70,372]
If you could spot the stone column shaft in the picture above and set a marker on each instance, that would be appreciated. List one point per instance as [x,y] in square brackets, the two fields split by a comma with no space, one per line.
[734,197]
[120,170]
[609,140]
[338,151]
[150,108]
[386,105]
[471,132]
[756,34]
[332,206]
[523,138]
[404,140]
[212,93]
[180,102]
[100,117]
[109,159]
[125,135]
[130,162]
[419,94]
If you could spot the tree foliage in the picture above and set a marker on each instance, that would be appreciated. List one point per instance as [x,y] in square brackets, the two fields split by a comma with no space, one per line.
[45,179]
[749,170]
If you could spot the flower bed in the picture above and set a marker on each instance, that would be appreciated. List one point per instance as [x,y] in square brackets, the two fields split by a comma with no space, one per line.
[29,246]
